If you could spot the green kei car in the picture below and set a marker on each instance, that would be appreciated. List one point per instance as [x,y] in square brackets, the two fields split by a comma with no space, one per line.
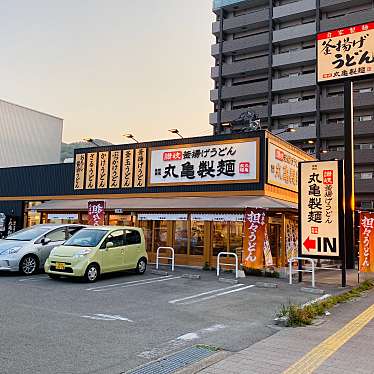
[97,250]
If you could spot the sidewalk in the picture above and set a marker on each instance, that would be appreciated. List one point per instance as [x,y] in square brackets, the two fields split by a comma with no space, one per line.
[350,350]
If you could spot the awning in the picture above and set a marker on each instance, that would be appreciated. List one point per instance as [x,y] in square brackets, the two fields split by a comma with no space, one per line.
[173,204]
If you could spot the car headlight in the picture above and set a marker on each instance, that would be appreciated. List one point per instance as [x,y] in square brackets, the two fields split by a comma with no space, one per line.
[11,251]
[82,253]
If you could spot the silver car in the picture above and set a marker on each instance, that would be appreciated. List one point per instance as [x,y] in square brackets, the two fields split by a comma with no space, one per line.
[27,250]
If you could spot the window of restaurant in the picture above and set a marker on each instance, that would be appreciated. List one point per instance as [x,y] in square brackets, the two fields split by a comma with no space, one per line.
[121,220]
[180,242]
[60,218]
[197,238]
[147,227]
[220,237]
[160,234]
[32,217]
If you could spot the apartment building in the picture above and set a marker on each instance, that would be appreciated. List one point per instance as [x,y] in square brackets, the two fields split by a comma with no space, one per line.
[265,61]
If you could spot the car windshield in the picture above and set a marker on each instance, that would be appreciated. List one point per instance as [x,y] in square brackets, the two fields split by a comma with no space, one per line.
[86,238]
[29,233]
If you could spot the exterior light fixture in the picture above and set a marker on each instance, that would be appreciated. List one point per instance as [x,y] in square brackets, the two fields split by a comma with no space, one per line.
[130,136]
[176,132]
[90,140]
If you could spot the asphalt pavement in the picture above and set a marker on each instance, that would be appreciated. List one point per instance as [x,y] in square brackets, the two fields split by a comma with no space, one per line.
[126,320]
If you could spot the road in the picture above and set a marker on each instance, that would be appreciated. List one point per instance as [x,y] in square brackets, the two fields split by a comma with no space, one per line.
[126,320]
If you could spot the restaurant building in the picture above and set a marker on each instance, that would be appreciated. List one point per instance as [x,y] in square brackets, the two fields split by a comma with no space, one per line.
[190,194]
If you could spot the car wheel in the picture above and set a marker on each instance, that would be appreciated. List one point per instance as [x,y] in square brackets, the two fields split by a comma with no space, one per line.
[92,273]
[141,267]
[54,276]
[29,265]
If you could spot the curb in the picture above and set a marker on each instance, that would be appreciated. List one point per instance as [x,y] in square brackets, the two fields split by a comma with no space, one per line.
[266,285]
[315,291]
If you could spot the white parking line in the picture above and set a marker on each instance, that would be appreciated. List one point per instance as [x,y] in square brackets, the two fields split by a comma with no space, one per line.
[204,293]
[124,283]
[216,295]
[139,284]
[107,317]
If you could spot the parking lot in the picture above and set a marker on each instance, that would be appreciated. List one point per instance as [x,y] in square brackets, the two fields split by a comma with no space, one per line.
[126,320]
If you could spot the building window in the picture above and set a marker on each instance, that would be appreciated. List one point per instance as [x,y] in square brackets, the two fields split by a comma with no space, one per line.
[197,238]
[236,237]
[365,118]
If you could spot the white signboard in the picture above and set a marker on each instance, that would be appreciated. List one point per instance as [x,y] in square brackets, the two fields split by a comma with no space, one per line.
[162,217]
[220,162]
[346,53]
[283,167]
[217,217]
[68,216]
[320,207]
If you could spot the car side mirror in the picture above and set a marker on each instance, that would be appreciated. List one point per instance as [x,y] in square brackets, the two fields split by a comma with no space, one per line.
[45,241]
[109,245]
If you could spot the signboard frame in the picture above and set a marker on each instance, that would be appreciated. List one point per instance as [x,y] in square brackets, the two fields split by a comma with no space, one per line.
[256,140]
[338,79]
[340,164]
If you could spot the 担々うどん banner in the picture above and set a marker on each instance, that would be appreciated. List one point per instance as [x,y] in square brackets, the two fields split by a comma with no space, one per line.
[366,242]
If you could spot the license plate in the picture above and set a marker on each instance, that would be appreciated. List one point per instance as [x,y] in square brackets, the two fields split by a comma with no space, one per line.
[60,266]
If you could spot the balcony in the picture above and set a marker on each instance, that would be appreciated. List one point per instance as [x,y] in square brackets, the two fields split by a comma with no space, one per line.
[217,4]
[364,186]
[331,5]
[246,22]
[292,83]
[289,109]
[294,58]
[301,134]
[298,8]
[347,20]
[330,130]
[245,91]
[335,103]
[250,44]
[296,33]
[249,67]
[231,115]
[361,156]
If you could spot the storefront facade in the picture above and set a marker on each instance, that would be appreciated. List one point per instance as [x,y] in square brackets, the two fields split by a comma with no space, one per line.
[189,194]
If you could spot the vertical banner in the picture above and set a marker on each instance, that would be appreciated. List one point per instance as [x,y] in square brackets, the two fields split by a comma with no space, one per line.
[140,166]
[102,178]
[291,239]
[267,250]
[366,242]
[96,213]
[115,167]
[80,164]
[320,209]
[254,227]
[127,168]
[91,171]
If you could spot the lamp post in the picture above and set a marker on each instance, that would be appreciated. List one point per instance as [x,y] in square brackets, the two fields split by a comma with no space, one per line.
[130,136]
[176,131]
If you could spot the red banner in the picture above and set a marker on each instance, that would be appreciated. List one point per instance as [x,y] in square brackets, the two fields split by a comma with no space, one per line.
[255,221]
[366,242]
[96,213]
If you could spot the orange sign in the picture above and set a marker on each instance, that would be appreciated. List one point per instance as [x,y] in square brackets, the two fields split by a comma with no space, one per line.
[345,53]
[366,242]
[254,238]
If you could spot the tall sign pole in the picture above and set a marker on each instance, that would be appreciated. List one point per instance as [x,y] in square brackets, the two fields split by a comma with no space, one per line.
[349,196]
[346,55]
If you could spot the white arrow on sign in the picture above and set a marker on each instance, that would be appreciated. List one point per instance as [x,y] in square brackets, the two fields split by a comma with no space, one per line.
[107,317]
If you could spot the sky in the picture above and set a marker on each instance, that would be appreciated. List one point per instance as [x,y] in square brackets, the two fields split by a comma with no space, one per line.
[109,67]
